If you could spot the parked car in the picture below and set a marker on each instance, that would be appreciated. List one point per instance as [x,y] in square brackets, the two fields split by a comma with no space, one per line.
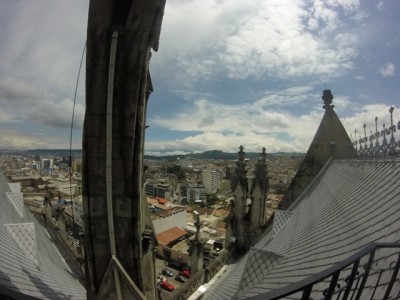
[180,266]
[185,273]
[167,286]
[167,272]
[176,265]
[181,278]
[186,267]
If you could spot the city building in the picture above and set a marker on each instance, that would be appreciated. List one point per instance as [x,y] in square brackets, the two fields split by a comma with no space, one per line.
[160,188]
[46,163]
[211,180]
[168,218]
[78,211]
[194,192]
[224,185]
[68,189]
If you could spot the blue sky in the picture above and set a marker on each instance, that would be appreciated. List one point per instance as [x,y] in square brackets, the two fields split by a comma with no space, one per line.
[227,73]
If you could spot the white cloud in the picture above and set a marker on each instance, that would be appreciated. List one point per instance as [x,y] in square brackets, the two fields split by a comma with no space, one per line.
[57,114]
[225,126]
[203,40]
[6,117]
[228,143]
[41,47]
[12,89]
[15,140]
[204,43]
[381,5]
[261,123]
[22,100]
[387,70]
[299,131]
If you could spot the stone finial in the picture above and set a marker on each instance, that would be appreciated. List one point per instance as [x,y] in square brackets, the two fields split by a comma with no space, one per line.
[327,98]
[241,153]
[263,150]
[263,154]
[391,115]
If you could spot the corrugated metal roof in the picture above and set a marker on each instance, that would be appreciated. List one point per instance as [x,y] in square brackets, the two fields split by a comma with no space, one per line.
[349,205]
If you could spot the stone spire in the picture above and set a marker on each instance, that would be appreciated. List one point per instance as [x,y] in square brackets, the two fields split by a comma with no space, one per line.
[196,251]
[330,140]
[249,192]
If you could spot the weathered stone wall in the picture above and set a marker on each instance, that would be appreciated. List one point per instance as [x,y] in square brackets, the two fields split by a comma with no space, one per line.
[138,25]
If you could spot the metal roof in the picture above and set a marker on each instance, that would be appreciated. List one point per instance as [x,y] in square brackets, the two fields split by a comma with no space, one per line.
[350,204]
[30,265]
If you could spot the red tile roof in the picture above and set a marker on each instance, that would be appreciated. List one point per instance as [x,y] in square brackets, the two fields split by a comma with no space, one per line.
[168,236]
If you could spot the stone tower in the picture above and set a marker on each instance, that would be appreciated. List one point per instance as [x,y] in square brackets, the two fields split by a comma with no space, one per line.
[196,251]
[250,187]
[119,239]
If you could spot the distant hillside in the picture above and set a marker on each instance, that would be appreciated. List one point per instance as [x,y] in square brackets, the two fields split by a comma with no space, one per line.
[45,152]
[211,154]
[219,155]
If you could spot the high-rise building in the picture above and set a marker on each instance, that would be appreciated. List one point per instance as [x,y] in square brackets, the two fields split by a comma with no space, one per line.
[211,180]
[46,163]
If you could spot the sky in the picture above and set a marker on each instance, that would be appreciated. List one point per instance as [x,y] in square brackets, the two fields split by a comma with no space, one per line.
[227,73]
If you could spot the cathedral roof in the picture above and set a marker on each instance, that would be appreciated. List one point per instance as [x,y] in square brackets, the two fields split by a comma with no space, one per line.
[30,265]
[337,205]
[350,204]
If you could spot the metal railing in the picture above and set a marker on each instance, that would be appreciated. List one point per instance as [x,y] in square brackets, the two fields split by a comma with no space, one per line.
[371,273]
[382,143]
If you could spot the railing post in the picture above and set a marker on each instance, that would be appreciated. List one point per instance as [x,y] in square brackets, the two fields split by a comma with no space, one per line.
[394,276]
[306,292]
[351,279]
[365,275]
[332,285]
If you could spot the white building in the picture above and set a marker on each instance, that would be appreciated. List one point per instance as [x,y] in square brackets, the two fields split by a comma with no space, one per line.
[68,189]
[211,180]
[46,163]
[169,218]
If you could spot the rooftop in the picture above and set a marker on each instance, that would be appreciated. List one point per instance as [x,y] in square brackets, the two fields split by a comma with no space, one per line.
[30,264]
[349,205]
